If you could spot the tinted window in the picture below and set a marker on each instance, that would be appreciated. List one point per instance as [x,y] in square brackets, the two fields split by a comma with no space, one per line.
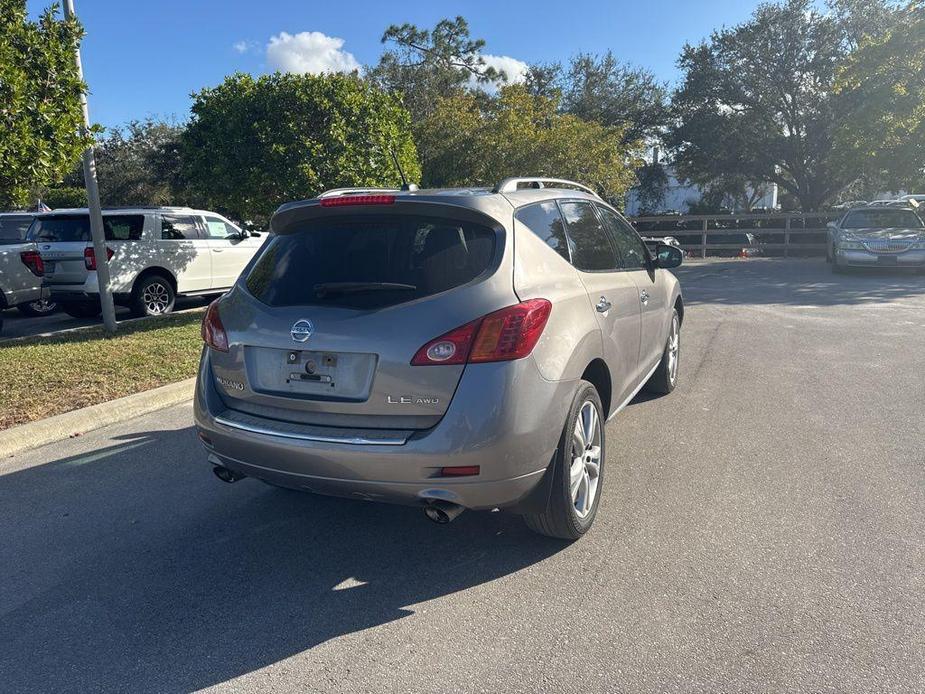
[124,227]
[177,228]
[14,228]
[882,219]
[353,262]
[219,229]
[544,220]
[630,246]
[77,228]
[591,249]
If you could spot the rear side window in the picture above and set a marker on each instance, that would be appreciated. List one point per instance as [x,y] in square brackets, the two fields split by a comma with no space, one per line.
[630,247]
[179,227]
[370,262]
[63,228]
[14,228]
[591,248]
[544,220]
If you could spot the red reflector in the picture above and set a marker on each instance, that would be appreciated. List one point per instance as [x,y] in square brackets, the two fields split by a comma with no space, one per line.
[33,261]
[213,332]
[460,471]
[90,256]
[346,200]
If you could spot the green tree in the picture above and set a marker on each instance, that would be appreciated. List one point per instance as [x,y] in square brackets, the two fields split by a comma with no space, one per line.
[882,87]
[422,65]
[602,89]
[40,111]
[253,143]
[758,102]
[138,164]
[472,141]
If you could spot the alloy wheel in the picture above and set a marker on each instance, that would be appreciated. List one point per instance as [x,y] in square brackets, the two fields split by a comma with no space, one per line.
[156,298]
[585,470]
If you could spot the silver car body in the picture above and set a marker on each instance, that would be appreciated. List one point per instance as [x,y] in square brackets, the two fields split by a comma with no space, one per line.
[399,424]
[196,263]
[18,284]
[877,236]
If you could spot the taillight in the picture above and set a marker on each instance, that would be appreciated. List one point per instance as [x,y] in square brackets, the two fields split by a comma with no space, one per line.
[346,200]
[90,256]
[33,261]
[510,333]
[213,332]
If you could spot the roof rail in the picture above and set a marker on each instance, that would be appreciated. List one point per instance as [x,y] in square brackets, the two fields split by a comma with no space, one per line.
[509,185]
[335,192]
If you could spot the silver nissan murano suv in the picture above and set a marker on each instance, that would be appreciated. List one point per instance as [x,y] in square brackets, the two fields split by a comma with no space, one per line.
[451,349]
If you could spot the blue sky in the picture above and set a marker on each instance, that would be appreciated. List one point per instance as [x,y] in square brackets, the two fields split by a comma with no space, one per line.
[143,58]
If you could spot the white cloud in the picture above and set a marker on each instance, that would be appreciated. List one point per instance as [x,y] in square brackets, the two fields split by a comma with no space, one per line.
[515,71]
[309,52]
[244,46]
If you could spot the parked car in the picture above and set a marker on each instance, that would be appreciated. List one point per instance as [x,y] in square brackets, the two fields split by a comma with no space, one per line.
[154,254]
[876,237]
[20,267]
[445,348]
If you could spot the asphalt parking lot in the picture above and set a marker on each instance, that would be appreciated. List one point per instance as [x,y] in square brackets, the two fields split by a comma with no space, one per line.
[761,529]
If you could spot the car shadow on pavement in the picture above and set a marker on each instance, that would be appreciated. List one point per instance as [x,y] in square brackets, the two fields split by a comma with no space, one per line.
[798,282]
[132,568]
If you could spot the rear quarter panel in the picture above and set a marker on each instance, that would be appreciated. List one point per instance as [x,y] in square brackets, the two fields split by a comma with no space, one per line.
[572,338]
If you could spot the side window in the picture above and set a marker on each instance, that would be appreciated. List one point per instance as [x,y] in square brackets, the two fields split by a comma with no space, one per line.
[544,220]
[219,229]
[123,227]
[632,249]
[591,249]
[178,228]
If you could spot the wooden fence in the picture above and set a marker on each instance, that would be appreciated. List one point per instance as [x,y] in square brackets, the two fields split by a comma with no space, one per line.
[781,234]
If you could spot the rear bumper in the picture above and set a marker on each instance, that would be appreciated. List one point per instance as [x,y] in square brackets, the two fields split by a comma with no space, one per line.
[914,259]
[504,418]
[16,297]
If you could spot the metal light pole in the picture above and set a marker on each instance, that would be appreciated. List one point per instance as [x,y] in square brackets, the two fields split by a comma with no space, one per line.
[93,201]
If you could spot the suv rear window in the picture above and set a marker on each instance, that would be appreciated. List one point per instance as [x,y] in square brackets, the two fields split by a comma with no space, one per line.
[370,262]
[123,227]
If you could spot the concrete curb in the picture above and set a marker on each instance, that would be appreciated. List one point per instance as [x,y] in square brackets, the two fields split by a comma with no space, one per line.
[66,425]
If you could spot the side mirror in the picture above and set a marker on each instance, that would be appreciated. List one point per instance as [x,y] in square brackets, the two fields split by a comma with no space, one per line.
[667,257]
[253,233]
[832,225]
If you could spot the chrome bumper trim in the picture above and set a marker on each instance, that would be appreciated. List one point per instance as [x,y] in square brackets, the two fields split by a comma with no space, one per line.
[302,432]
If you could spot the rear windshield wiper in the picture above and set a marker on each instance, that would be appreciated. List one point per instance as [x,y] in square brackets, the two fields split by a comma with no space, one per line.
[326,288]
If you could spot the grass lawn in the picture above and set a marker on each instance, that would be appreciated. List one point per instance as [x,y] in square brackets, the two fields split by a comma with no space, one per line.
[40,377]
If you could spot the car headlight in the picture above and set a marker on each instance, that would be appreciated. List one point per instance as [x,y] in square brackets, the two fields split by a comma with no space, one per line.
[849,245]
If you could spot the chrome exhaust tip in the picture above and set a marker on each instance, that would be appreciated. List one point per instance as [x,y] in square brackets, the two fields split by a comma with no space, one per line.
[227,475]
[442,512]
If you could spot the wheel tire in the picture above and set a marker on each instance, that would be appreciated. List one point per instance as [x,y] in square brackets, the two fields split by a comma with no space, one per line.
[665,378]
[42,307]
[152,296]
[81,309]
[562,519]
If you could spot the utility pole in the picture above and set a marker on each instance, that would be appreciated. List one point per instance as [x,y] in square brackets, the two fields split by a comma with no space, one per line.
[93,201]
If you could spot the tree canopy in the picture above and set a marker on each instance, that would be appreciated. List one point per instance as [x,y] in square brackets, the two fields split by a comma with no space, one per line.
[882,88]
[253,143]
[40,110]
[471,141]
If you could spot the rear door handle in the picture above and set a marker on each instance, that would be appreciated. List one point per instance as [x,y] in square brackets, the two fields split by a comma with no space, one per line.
[217,250]
[603,305]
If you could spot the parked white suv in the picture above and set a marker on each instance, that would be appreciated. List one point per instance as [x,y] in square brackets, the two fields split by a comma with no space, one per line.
[155,254]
